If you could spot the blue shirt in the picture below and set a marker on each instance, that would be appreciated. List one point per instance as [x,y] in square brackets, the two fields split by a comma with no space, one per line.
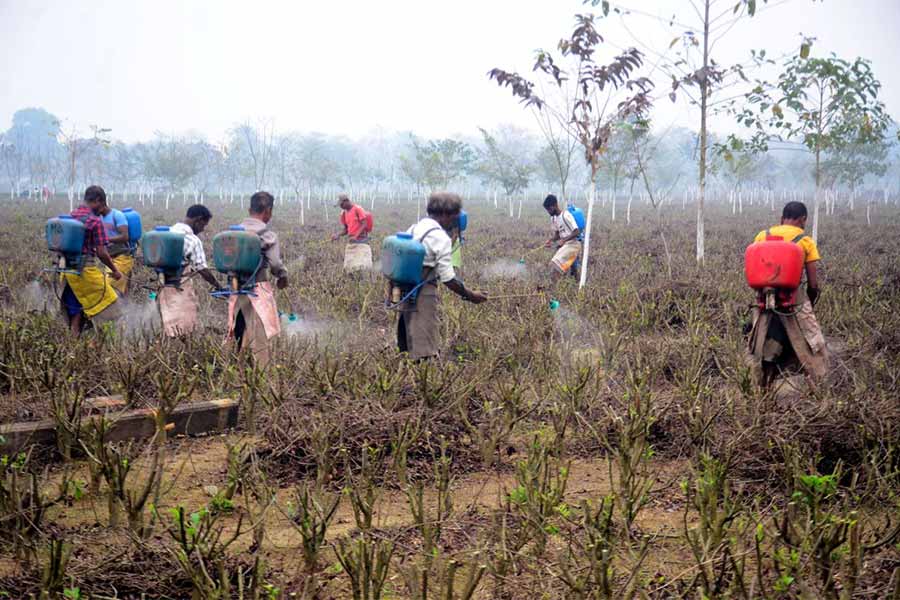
[113,220]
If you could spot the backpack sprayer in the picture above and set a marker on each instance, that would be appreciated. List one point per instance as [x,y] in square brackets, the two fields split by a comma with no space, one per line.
[774,268]
[580,220]
[164,253]
[402,260]
[135,228]
[238,254]
[65,237]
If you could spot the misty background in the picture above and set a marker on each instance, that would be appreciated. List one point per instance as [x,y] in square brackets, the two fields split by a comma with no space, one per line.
[222,98]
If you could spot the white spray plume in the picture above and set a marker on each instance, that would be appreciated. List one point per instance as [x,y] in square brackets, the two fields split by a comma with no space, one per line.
[505,269]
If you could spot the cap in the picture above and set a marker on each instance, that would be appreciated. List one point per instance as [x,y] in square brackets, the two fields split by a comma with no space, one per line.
[341,198]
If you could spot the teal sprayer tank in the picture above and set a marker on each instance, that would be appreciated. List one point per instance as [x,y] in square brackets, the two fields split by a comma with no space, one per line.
[65,237]
[238,253]
[462,222]
[164,252]
[401,262]
[135,230]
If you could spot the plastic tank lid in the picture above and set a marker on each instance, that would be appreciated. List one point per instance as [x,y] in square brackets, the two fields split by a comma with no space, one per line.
[66,217]
[404,235]
[129,209]
[160,228]
[236,228]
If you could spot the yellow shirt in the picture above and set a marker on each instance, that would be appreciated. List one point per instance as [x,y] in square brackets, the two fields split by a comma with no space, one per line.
[789,232]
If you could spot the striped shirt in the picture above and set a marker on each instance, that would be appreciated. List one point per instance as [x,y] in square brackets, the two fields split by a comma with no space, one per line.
[194,255]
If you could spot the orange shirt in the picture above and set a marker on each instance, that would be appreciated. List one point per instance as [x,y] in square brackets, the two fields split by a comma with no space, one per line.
[355,221]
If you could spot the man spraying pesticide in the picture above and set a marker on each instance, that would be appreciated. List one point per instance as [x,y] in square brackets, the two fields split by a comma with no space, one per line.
[785,330]
[247,253]
[414,262]
[178,307]
[566,238]
[357,225]
[80,240]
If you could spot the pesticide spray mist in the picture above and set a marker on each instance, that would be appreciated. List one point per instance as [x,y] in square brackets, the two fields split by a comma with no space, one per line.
[579,341]
[505,269]
[38,298]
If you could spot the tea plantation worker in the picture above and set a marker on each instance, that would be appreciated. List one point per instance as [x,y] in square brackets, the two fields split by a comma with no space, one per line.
[355,222]
[90,295]
[116,226]
[565,237]
[253,319]
[178,306]
[798,329]
[418,329]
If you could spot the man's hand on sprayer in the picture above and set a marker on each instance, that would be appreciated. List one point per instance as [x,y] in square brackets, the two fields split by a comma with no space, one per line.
[117,275]
[335,237]
[548,244]
[813,294]
[281,283]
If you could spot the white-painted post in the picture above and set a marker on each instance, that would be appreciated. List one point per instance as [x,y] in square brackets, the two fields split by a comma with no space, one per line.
[587,236]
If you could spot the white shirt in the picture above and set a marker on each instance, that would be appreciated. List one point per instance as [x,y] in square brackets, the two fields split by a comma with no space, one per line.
[564,224]
[194,256]
[438,247]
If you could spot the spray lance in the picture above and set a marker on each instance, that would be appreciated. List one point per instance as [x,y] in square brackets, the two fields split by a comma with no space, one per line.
[553,304]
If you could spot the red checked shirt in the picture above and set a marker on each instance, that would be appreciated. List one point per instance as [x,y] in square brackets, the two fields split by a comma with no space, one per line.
[94,231]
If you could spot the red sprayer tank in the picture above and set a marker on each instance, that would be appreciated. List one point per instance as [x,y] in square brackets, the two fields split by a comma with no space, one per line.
[774,264]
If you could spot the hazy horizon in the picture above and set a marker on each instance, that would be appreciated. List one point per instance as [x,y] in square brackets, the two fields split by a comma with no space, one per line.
[350,68]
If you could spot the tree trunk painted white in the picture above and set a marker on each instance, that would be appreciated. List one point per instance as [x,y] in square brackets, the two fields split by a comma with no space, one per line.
[612,201]
[587,234]
[521,201]
[815,224]
[628,210]
[418,208]
[167,200]
[740,203]
[869,213]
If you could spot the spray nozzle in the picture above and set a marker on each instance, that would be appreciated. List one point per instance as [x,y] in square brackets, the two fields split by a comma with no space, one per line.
[152,295]
[554,304]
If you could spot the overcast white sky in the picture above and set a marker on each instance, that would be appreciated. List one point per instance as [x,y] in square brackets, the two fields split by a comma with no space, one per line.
[140,66]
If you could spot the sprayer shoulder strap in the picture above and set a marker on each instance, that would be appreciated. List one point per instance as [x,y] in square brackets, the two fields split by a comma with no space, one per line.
[797,239]
[426,234]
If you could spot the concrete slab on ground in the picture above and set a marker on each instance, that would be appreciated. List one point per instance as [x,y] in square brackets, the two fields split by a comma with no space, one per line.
[192,418]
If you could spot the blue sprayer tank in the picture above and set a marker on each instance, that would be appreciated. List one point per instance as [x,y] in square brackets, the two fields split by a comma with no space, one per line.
[65,236]
[164,252]
[135,230]
[580,221]
[462,222]
[401,259]
[237,253]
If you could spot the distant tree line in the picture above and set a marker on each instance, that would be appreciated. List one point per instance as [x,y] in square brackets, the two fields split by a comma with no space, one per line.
[40,151]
